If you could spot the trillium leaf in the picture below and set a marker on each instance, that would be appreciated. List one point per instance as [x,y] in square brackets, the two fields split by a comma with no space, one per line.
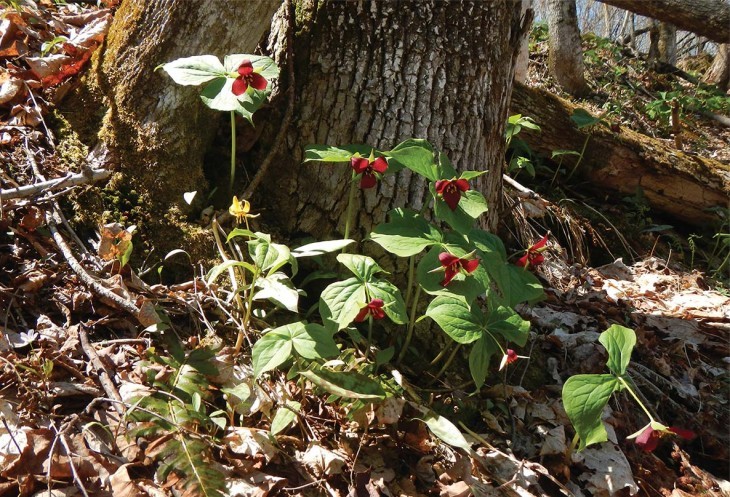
[507,323]
[523,287]
[416,155]
[468,286]
[488,243]
[271,350]
[406,233]
[327,153]
[347,384]
[193,71]
[285,416]
[313,341]
[394,306]
[584,397]
[442,427]
[479,358]
[218,95]
[471,206]
[445,169]
[462,322]
[469,175]
[265,66]
[619,342]
[320,248]
[362,266]
[341,301]
[278,288]
[582,118]
[473,203]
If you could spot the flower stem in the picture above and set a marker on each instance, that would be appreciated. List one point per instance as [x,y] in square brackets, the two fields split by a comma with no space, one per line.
[636,398]
[370,335]
[350,204]
[233,153]
[409,285]
[411,325]
[446,365]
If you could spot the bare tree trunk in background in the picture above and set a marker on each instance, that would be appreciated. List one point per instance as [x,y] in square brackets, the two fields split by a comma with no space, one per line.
[565,55]
[710,18]
[154,132]
[719,72]
[379,73]
[523,56]
[667,43]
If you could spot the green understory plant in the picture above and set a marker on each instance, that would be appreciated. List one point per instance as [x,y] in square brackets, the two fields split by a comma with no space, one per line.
[585,396]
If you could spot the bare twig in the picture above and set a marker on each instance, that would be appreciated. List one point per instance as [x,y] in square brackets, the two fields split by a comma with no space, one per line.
[104,377]
[43,187]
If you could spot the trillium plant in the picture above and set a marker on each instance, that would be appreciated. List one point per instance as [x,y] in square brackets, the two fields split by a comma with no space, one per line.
[239,85]
[585,396]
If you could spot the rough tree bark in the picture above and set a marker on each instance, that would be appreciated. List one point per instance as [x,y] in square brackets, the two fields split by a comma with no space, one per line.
[565,57]
[153,132]
[709,18]
[379,73]
[523,55]
[719,72]
[678,184]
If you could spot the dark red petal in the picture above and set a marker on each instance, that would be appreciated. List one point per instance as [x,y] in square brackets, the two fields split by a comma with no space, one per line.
[362,314]
[447,259]
[470,265]
[511,356]
[359,164]
[451,198]
[536,259]
[448,276]
[543,241]
[462,184]
[380,165]
[441,184]
[376,303]
[377,312]
[522,261]
[239,87]
[258,81]
[686,434]
[368,180]
[245,68]
[648,440]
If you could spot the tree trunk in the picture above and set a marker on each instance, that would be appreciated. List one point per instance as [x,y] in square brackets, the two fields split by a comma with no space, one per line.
[523,55]
[154,132]
[565,57]
[719,72]
[379,73]
[710,18]
[678,184]
[667,43]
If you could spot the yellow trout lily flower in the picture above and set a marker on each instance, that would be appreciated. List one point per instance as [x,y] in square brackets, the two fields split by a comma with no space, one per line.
[241,210]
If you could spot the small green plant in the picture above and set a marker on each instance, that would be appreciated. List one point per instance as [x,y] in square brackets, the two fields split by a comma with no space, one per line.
[586,395]
[521,156]
[51,45]
[583,120]
[240,84]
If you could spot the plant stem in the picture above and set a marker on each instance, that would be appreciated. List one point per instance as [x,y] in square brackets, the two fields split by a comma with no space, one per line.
[441,354]
[350,202]
[411,325]
[233,153]
[247,316]
[636,398]
[580,157]
[411,271]
[557,170]
[370,335]
[446,364]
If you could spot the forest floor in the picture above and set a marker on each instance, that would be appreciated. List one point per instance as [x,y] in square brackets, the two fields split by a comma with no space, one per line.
[73,360]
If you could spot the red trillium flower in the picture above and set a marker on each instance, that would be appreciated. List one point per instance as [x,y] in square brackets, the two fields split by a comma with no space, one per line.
[374,309]
[452,265]
[648,437]
[509,357]
[533,257]
[367,168]
[450,190]
[247,77]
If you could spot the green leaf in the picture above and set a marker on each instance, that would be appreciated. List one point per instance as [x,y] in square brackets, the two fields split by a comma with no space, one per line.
[347,384]
[218,95]
[216,271]
[272,350]
[266,255]
[558,153]
[362,266]
[394,307]
[341,301]
[462,322]
[584,397]
[507,323]
[442,428]
[320,248]
[327,153]
[416,155]
[619,342]
[469,175]
[469,286]
[406,233]
[278,288]
[384,356]
[445,169]
[312,341]
[196,70]
[479,358]
[240,232]
[471,206]
[523,287]
[582,118]
[285,416]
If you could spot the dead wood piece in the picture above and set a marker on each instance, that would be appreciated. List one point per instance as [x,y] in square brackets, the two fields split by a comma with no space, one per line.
[682,185]
[70,180]
[104,377]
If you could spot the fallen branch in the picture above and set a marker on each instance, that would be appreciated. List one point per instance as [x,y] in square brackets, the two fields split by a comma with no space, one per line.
[104,377]
[89,176]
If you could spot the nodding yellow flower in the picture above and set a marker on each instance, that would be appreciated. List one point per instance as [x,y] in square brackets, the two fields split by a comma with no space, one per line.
[241,210]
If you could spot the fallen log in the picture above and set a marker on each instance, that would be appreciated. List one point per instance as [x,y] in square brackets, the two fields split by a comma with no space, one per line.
[676,183]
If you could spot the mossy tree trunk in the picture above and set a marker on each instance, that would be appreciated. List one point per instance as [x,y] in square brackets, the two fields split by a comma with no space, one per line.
[379,73]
